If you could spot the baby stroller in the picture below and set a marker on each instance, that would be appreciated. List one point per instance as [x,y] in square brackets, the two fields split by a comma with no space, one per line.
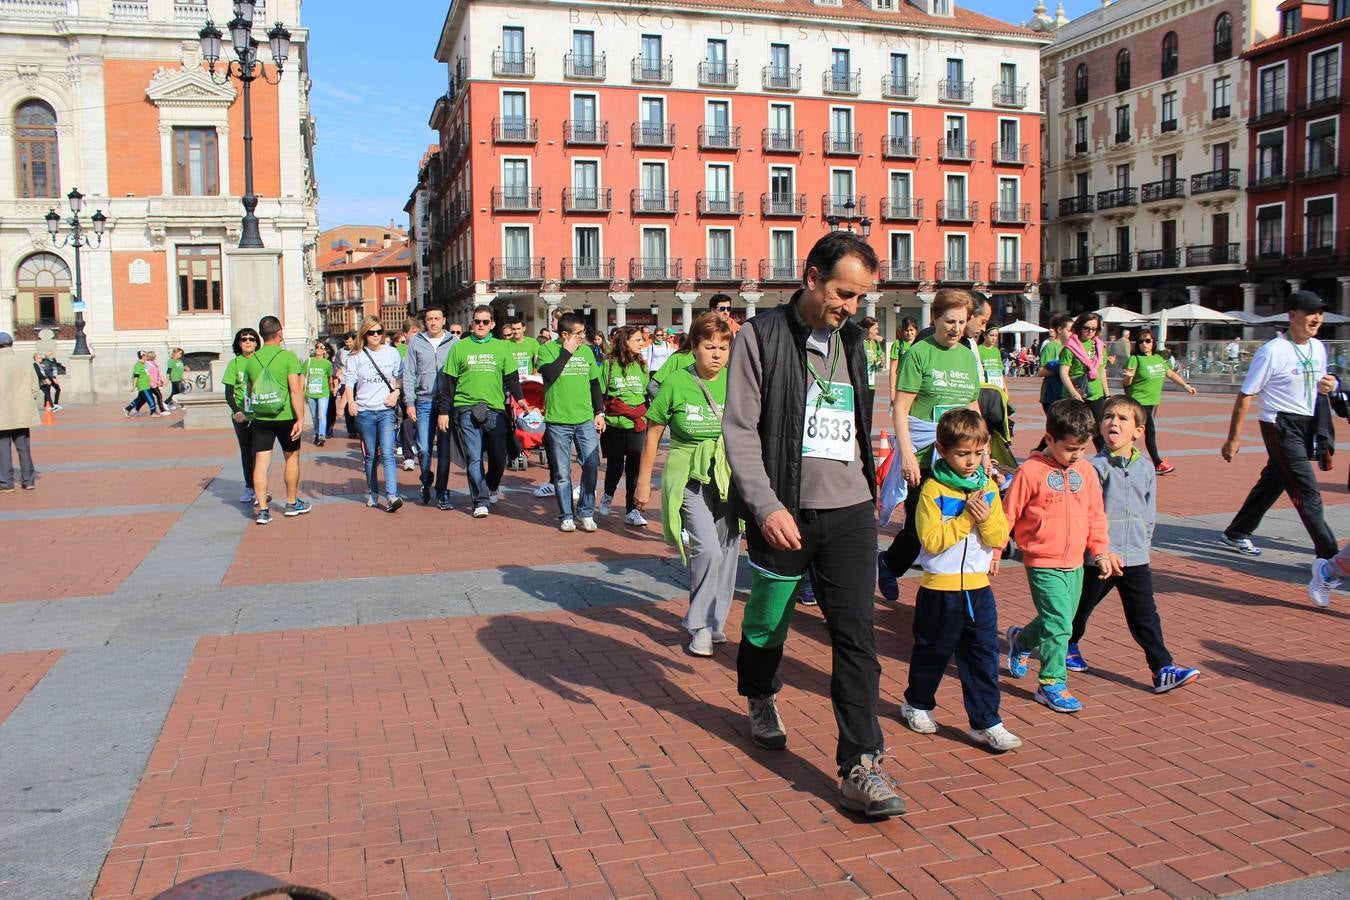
[527,431]
[997,414]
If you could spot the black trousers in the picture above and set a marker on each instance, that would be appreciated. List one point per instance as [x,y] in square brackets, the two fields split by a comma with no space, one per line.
[840,547]
[243,433]
[438,449]
[1141,612]
[1151,435]
[904,548]
[622,449]
[1289,441]
[1098,408]
[963,623]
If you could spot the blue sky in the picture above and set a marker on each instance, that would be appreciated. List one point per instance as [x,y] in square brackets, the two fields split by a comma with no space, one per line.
[375,80]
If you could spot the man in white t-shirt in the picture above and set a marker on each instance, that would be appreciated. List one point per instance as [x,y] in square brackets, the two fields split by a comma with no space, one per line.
[1287,373]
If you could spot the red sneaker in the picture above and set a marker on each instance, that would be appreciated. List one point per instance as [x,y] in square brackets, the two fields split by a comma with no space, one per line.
[1165,468]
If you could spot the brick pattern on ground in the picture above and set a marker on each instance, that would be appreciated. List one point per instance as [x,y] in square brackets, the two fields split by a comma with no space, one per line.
[19,674]
[83,556]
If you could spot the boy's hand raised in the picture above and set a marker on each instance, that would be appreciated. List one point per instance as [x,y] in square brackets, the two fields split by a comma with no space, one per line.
[978,507]
[1112,567]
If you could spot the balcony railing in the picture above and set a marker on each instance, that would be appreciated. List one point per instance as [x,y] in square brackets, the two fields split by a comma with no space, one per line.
[1010,95]
[1218,180]
[901,271]
[1166,189]
[1222,50]
[717,137]
[781,270]
[957,150]
[717,269]
[1080,95]
[834,81]
[1108,263]
[791,205]
[517,268]
[653,71]
[899,146]
[27,329]
[1269,108]
[1168,258]
[1313,246]
[1125,196]
[588,68]
[900,87]
[1266,179]
[1318,167]
[1321,95]
[1080,147]
[587,132]
[1220,112]
[1077,206]
[774,78]
[584,268]
[1122,137]
[1010,153]
[653,202]
[781,140]
[509,64]
[843,205]
[1169,65]
[957,210]
[1266,250]
[587,199]
[721,203]
[1167,125]
[950,91]
[655,268]
[1073,267]
[842,143]
[1213,254]
[653,134]
[719,74]
[517,198]
[512,130]
[1009,273]
[957,272]
[903,208]
[1010,213]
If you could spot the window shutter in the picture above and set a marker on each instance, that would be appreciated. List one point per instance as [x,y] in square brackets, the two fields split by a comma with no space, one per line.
[1320,207]
[211,160]
[180,161]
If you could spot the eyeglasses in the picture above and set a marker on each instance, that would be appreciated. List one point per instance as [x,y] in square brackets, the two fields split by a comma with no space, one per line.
[375,331]
[1089,328]
[248,337]
[723,309]
[482,321]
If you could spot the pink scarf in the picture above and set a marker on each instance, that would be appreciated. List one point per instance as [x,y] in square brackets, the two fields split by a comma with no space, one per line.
[1077,349]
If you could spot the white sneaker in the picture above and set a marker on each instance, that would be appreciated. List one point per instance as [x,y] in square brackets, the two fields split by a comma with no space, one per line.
[398,451]
[997,738]
[606,504]
[545,490]
[409,465]
[587,524]
[635,518]
[480,512]
[495,497]
[918,720]
[567,526]
[1322,584]
[701,642]
[247,496]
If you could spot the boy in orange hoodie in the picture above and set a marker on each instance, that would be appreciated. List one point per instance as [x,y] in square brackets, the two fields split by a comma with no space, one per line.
[1055,508]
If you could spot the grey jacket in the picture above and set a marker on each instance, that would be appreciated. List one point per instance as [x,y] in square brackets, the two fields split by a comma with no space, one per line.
[423,363]
[1130,495]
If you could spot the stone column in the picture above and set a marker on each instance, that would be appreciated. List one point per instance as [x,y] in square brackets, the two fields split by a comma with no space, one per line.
[751,299]
[926,299]
[255,285]
[1343,281]
[1249,307]
[1033,310]
[1145,301]
[552,301]
[870,301]
[1193,296]
[1295,284]
[687,300]
[620,308]
[1103,299]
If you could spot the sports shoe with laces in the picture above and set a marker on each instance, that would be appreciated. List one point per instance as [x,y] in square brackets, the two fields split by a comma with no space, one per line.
[887,583]
[1017,657]
[606,504]
[635,518]
[1322,583]
[870,791]
[997,738]
[1073,660]
[766,728]
[701,642]
[495,497]
[371,502]
[718,637]
[588,524]
[1165,468]
[409,465]
[298,508]
[545,490]
[426,495]
[248,496]
[567,525]
[480,512]
[918,720]
[1058,698]
[264,516]
[807,595]
[443,501]
[1171,677]
[394,504]
[1241,545]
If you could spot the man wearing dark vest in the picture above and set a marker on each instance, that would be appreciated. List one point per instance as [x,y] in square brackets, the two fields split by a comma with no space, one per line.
[798,439]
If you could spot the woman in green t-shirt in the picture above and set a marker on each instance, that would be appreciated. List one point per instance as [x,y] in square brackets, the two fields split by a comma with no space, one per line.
[905,334]
[623,381]
[696,513]
[876,356]
[318,376]
[1082,369]
[246,343]
[1145,372]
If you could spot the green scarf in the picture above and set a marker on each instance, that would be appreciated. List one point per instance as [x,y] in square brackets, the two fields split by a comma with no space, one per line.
[947,478]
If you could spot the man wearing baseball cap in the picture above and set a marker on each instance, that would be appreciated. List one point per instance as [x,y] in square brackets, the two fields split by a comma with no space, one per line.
[1287,373]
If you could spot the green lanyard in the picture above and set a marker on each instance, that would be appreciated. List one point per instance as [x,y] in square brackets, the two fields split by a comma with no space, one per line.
[1306,364]
[826,391]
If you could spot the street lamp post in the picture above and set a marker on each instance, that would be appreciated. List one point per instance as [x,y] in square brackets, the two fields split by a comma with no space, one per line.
[246,70]
[848,220]
[76,239]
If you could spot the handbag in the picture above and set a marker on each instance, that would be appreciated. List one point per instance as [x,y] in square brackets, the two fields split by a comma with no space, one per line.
[378,371]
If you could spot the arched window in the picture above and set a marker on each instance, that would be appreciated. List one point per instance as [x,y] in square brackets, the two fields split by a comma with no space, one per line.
[1223,37]
[43,299]
[1123,70]
[1080,84]
[1169,54]
[35,150]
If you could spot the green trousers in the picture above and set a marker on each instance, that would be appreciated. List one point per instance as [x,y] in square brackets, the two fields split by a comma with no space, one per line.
[768,610]
[1055,593]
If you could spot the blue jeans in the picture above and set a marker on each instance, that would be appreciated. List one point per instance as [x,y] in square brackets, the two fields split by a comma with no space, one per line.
[490,439]
[377,431]
[561,439]
[318,414]
[427,435]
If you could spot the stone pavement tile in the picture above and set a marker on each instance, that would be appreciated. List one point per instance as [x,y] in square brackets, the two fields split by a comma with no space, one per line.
[92,489]
[19,673]
[88,448]
[37,555]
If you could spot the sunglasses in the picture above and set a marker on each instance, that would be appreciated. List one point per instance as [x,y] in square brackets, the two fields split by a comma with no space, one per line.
[375,331]
[249,338]
[482,321]
[724,309]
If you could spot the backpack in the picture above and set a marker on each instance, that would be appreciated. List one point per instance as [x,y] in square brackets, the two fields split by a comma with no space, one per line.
[266,398]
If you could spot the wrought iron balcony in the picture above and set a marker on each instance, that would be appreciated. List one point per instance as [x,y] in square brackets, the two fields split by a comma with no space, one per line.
[1010,213]
[1167,125]
[1073,267]
[1266,250]
[1115,199]
[787,205]
[1168,258]
[653,202]
[713,137]
[1270,108]
[587,132]
[719,270]
[774,78]
[1317,167]
[517,198]
[582,200]
[900,87]
[655,268]
[842,143]
[899,146]
[1213,254]
[1009,273]
[1220,112]
[721,203]
[585,268]
[1010,153]
[781,270]
[781,140]
[1123,137]
[515,130]
[950,91]
[957,272]
[1265,179]
[510,64]
[587,68]
[1108,263]
[957,210]
[1080,147]
[902,208]
[956,150]
[1166,189]
[653,134]
[719,74]
[1010,95]
[517,269]
[1321,95]
[900,271]
[834,81]
[1215,181]
[843,205]
[653,71]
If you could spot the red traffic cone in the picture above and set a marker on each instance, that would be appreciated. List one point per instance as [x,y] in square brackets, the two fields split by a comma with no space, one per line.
[885,443]
[47,417]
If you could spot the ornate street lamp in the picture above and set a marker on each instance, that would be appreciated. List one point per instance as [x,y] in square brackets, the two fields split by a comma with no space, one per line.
[656,313]
[77,238]
[848,220]
[246,70]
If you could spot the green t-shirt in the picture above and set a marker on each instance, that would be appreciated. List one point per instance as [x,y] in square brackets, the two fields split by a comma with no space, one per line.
[567,401]
[318,377]
[1149,374]
[941,379]
[1052,388]
[681,360]
[526,355]
[141,375]
[281,364]
[992,360]
[629,384]
[1095,389]
[900,348]
[175,370]
[233,379]
[478,367]
[681,406]
[876,362]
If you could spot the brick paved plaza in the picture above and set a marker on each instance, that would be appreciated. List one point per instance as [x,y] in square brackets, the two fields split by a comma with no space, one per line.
[426,705]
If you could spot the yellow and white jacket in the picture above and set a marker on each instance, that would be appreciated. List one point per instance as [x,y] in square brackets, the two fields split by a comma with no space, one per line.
[956,552]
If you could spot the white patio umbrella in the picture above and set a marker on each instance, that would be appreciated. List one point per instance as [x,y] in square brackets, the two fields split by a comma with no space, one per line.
[1195,314]
[1022,326]
[1330,318]
[1119,315]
